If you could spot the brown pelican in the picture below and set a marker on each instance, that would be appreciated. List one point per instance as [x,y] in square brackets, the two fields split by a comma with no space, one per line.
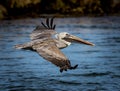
[47,46]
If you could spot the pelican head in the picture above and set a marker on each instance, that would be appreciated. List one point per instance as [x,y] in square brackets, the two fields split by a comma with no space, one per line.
[68,38]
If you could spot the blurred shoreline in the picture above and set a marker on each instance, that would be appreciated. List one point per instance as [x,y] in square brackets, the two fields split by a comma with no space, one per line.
[19,9]
[29,16]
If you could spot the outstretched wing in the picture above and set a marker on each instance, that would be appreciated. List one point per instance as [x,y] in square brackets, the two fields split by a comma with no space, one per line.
[49,51]
[44,30]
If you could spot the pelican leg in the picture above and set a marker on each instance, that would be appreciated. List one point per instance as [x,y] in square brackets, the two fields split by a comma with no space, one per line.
[64,68]
[61,70]
[74,67]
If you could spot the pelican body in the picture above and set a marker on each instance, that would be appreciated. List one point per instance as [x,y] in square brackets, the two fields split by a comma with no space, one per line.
[48,47]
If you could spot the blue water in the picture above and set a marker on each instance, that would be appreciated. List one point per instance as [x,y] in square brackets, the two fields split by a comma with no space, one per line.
[99,66]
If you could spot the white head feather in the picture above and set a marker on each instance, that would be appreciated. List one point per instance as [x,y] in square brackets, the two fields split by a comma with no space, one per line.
[60,37]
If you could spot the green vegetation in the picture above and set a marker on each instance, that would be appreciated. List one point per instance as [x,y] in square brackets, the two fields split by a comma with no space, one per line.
[3,12]
[34,8]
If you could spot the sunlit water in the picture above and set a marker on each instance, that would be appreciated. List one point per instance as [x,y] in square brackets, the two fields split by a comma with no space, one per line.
[99,66]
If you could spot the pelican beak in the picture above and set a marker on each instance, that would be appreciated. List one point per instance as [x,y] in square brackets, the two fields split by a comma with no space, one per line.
[72,38]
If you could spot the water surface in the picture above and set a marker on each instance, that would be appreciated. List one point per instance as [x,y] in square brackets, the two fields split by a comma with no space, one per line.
[99,66]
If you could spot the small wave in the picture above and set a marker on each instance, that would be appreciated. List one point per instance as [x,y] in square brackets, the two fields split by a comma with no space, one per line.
[93,83]
[10,58]
[96,74]
[115,76]
[59,81]
[70,82]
